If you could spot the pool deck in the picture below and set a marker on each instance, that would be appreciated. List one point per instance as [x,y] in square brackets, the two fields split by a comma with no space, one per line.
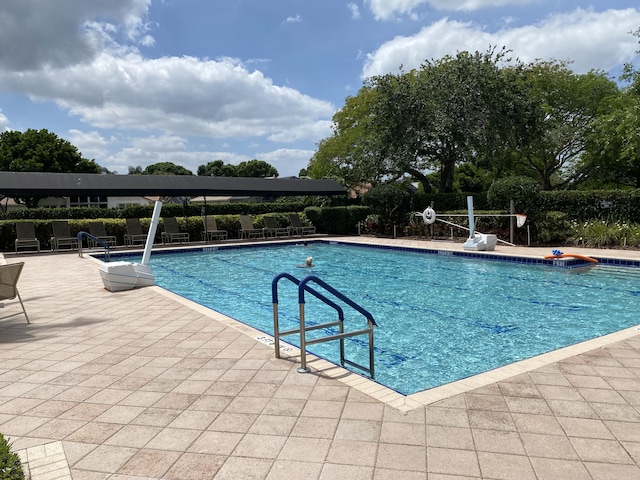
[143,384]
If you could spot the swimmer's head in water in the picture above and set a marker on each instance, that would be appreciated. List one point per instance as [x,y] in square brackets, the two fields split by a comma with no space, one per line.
[309,261]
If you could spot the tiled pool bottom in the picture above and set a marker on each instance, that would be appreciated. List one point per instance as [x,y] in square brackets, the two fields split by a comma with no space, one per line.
[434,394]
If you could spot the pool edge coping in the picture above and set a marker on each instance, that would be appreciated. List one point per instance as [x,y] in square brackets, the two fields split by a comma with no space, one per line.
[386,395]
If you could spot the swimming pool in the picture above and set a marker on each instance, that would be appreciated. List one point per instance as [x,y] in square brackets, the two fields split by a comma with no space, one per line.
[441,318]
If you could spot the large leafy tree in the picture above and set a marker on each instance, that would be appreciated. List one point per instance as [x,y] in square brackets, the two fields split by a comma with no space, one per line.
[351,155]
[41,151]
[463,109]
[612,153]
[570,103]
[454,110]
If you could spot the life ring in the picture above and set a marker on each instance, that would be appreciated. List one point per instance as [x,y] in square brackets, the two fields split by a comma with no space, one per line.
[429,215]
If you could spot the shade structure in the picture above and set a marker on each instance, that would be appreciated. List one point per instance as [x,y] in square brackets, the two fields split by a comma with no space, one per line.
[14,184]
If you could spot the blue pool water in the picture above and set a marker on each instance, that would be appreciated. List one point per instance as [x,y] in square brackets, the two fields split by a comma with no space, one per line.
[440,318]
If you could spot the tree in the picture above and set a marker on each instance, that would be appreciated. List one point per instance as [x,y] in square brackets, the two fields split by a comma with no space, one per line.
[256,169]
[166,168]
[352,155]
[570,103]
[449,112]
[41,151]
[612,152]
[252,168]
[217,168]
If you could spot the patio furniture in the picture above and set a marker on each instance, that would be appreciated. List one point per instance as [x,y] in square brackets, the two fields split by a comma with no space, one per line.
[98,230]
[62,236]
[26,236]
[298,228]
[247,230]
[134,232]
[211,231]
[9,276]
[172,231]
[272,229]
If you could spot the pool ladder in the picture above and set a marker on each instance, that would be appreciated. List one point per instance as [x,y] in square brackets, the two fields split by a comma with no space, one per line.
[95,240]
[303,286]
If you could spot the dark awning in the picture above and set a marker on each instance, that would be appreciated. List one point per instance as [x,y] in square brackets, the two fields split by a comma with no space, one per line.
[14,184]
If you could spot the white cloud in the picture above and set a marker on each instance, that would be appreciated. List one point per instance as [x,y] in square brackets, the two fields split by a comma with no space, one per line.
[355,11]
[387,9]
[183,95]
[593,40]
[64,32]
[92,145]
[4,122]
[295,19]
[288,162]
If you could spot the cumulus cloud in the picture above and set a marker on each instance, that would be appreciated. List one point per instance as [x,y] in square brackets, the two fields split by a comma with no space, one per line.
[592,40]
[355,10]
[4,122]
[184,95]
[62,33]
[288,162]
[90,144]
[386,9]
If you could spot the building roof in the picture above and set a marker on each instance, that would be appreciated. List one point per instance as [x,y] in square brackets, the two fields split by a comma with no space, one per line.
[13,184]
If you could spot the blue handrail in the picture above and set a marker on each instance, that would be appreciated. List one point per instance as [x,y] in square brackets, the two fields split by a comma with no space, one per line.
[341,335]
[94,239]
[315,293]
[302,287]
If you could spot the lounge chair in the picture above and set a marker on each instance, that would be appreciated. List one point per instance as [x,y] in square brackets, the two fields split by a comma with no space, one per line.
[9,275]
[172,231]
[298,228]
[26,236]
[272,229]
[211,231]
[134,232]
[247,230]
[62,236]
[98,230]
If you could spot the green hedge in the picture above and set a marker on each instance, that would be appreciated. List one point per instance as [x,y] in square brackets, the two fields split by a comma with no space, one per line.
[583,206]
[337,220]
[145,211]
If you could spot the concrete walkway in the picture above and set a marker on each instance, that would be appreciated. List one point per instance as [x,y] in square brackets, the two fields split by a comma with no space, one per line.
[143,385]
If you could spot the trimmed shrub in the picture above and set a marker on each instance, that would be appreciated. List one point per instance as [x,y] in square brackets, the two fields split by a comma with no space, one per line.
[337,220]
[550,228]
[517,188]
[10,465]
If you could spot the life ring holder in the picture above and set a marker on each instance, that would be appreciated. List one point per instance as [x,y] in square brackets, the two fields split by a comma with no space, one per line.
[429,215]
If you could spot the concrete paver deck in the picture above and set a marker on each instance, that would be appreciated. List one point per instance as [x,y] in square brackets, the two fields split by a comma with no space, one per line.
[141,385]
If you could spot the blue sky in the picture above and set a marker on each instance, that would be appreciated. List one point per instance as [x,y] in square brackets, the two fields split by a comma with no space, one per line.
[136,82]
